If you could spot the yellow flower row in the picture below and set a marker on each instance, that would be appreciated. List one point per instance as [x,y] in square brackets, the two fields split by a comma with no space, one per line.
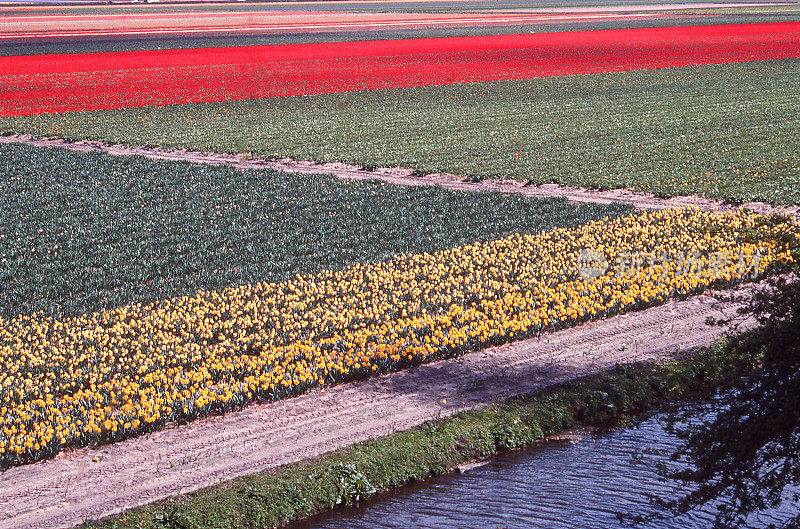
[113,374]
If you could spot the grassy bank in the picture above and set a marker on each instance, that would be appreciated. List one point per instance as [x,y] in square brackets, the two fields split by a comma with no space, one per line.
[724,131]
[291,492]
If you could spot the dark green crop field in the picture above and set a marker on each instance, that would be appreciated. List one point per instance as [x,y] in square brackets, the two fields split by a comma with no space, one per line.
[84,231]
[725,131]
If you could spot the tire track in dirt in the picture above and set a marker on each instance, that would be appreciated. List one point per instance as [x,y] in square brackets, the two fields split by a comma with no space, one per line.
[62,492]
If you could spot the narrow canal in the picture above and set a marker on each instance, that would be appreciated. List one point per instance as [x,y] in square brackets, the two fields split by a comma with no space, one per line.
[567,484]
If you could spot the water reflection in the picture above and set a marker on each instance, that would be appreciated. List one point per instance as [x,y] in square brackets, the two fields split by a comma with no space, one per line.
[558,485]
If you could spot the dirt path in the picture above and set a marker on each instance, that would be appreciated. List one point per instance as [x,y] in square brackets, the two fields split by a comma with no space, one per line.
[63,492]
[401,176]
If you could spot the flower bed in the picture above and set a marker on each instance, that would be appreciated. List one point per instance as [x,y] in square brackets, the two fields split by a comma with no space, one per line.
[109,375]
[59,83]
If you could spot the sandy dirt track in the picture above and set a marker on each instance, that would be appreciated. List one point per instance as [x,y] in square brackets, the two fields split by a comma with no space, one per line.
[400,176]
[62,492]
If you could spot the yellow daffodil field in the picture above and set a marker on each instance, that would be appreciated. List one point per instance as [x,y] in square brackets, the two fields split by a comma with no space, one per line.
[112,374]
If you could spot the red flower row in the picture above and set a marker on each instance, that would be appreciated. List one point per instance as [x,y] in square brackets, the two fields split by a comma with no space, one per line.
[57,83]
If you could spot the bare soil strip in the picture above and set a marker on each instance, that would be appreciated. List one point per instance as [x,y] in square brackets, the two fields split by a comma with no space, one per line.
[400,176]
[50,27]
[62,492]
[25,22]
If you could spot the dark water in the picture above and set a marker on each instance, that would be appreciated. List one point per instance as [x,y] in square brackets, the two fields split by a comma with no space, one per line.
[558,485]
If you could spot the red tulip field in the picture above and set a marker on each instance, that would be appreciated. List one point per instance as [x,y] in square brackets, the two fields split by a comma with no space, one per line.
[56,83]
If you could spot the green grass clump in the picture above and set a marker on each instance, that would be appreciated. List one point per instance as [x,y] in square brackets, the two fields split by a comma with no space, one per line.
[725,131]
[275,497]
[80,232]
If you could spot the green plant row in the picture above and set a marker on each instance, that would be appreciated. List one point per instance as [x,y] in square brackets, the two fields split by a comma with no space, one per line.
[80,232]
[725,131]
[275,497]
